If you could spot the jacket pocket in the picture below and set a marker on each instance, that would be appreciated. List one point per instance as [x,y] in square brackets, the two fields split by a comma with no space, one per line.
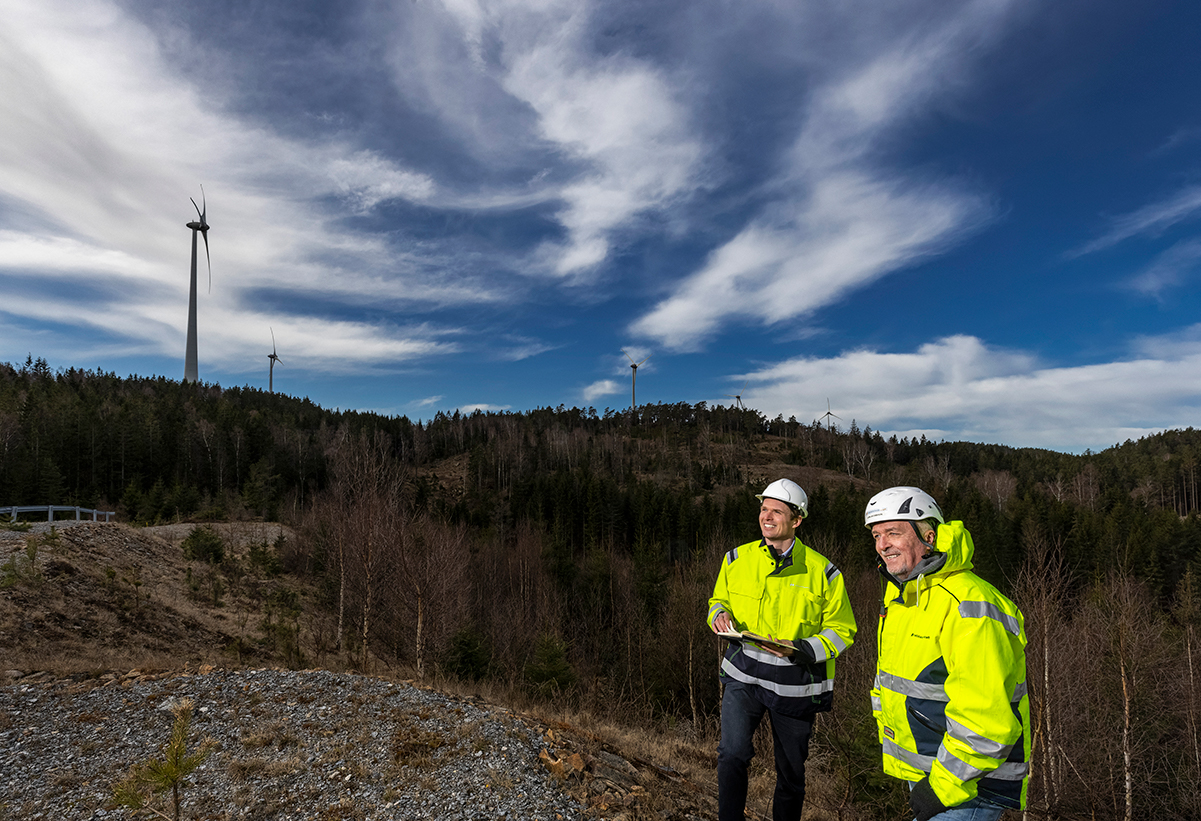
[793,611]
[746,609]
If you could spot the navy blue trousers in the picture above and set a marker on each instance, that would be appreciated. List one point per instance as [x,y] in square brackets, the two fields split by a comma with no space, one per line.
[741,712]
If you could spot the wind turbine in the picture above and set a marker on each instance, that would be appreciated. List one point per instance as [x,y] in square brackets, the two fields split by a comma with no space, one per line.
[190,371]
[828,415]
[633,377]
[271,369]
[737,397]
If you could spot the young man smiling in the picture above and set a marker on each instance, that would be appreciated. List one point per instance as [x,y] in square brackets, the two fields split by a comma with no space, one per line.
[778,588]
[950,693]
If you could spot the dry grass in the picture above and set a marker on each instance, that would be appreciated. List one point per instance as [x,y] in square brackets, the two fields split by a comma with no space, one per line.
[243,768]
[413,746]
[276,734]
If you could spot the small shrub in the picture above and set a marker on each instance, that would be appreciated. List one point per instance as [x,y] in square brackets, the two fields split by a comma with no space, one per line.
[203,544]
[469,656]
[21,568]
[145,782]
[265,558]
[133,577]
[52,541]
[281,626]
[549,672]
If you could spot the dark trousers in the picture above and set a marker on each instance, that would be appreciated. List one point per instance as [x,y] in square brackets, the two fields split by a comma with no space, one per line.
[741,712]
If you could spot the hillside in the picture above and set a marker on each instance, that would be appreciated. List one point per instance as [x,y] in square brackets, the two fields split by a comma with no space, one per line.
[289,744]
[105,596]
[560,559]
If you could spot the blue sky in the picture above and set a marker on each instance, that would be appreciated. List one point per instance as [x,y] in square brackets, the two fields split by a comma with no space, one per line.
[974,220]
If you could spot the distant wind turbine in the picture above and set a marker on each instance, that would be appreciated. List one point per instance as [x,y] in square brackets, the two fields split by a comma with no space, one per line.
[829,414]
[271,369]
[737,397]
[190,371]
[633,377]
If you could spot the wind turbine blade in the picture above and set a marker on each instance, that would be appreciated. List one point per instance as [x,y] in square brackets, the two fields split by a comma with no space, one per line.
[272,339]
[197,207]
[623,350]
[204,233]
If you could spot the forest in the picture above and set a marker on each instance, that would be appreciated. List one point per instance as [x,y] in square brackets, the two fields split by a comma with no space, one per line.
[570,552]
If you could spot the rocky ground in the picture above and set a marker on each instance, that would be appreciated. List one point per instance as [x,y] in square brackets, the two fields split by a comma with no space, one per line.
[286,744]
[112,596]
[312,745]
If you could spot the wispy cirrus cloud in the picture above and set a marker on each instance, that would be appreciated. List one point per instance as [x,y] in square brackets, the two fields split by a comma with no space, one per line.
[621,138]
[836,216]
[1151,219]
[1169,269]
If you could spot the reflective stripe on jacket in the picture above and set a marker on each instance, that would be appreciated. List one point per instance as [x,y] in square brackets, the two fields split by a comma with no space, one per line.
[802,598]
[950,692]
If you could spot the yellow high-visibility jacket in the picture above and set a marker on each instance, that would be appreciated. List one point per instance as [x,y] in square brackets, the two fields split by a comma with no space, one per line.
[801,597]
[950,692]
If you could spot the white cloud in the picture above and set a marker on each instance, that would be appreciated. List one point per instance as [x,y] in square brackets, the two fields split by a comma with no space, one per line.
[1148,220]
[980,393]
[520,348]
[1168,269]
[109,173]
[483,406]
[602,387]
[370,179]
[837,219]
[615,121]
[852,230]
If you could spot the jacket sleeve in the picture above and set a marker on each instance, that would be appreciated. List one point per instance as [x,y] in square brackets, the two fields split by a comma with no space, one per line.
[984,648]
[719,602]
[838,621]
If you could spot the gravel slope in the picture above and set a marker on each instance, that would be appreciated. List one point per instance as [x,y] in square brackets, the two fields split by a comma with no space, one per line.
[295,745]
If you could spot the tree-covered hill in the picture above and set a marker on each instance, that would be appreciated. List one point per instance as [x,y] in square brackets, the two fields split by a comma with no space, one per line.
[158,450]
[570,552]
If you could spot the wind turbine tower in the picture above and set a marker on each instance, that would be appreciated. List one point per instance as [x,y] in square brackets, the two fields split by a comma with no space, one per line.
[271,368]
[190,371]
[633,377]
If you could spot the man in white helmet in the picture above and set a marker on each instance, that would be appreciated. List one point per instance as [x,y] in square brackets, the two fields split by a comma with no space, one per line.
[778,588]
[950,693]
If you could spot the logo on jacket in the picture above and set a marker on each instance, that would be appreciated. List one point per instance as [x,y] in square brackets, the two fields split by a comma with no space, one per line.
[888,732]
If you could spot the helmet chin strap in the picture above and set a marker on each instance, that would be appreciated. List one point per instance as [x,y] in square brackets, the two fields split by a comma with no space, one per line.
[918,533]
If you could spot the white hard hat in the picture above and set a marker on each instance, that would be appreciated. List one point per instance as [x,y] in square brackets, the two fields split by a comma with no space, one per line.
[788,492]
[908,504]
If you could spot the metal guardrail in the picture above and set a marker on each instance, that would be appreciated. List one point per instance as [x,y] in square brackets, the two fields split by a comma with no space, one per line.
[14,510]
